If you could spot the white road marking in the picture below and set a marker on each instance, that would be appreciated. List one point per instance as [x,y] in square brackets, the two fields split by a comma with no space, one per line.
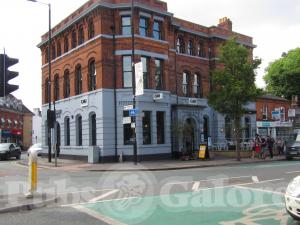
[193,181]
[293,172]
[258,189]
[98,215]
[196,186]
[76,192]
[104,195]
[255,179]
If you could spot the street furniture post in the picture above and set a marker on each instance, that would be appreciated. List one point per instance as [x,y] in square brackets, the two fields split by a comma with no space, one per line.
[32,173]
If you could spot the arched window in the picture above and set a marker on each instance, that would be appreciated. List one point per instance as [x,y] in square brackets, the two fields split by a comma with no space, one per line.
[58,49]
[247,128]
[66,84]
[67,131]
[78,80]
[79,130]
[228,128]
[191,48]
[56,87]
[91,29]
[93,129]
[53,52]
[66,44]
[180,47]
[197,86]
[46,90]
[80,35]
[92,75]
[74,39]
[185,84]
[47,55]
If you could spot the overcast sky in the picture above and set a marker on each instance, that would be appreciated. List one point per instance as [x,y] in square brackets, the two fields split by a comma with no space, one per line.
[273,24]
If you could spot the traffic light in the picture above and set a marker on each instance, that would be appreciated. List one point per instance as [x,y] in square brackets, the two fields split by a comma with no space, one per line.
[6,75]
[51,118]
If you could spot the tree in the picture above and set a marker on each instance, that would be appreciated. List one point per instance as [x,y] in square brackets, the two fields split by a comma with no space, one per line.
[233,85]
[283,75]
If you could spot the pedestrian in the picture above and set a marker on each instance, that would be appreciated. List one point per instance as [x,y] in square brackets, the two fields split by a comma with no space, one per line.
[280,145]
[270,144]
[257,145]
[263,148]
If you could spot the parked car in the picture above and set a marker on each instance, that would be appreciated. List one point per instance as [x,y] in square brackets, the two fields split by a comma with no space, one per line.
[8,150]
[292,198]
[293,148]
[36,147]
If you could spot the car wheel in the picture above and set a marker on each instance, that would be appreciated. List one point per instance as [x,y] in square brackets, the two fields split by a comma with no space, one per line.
[289,158]
[18,157]
[7,156]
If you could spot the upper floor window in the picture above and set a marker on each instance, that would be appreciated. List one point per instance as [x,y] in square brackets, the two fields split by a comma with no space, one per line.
[66,84]
[185,83]
[265,112]
[80,35]
[282,114]
[143,26]
[47,55]
[145,62]
[92,75]
[201,50]
[58,49]
[74,39]
[191,48]
[158,77]
[53,52]
[180,45]
[47,90]
[56,87]
[157,33]
[126,25]
[66,44]
[78,80]
[91,29]
[196,86]
[127,72]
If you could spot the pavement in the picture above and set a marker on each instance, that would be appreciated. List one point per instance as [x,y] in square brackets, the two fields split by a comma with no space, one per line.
[14,203]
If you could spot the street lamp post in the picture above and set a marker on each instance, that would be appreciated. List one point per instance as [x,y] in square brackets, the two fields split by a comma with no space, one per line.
[49,75]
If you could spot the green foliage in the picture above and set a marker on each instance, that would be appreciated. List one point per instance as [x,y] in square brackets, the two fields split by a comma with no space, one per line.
[234,84]
[283,75]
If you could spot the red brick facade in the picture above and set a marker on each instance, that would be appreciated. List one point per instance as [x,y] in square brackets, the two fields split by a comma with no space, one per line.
[106,15]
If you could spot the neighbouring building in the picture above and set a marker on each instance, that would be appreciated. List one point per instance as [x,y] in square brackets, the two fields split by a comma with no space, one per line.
[272,116]
[15,121]
[91,81]
[295,111]
[37,126]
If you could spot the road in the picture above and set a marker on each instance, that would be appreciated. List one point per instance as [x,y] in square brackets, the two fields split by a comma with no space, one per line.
[229,195]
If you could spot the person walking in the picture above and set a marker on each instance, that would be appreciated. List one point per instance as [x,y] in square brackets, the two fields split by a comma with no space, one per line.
[270,144]
[280,145]
[257,146]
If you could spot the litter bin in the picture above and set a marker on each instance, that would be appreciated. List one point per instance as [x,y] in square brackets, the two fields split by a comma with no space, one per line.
[93,154]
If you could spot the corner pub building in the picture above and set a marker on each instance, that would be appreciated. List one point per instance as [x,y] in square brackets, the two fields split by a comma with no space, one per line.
[91,81]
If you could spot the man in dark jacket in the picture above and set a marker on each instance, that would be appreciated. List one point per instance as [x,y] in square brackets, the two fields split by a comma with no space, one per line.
[270,144]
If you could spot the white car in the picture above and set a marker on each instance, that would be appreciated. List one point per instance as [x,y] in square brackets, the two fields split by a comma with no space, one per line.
[292,198]
[36,147]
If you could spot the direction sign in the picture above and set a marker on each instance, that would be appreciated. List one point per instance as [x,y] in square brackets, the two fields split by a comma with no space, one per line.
[133,112]
[128,107]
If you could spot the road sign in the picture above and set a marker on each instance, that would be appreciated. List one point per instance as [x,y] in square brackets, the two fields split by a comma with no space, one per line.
[133,112]
[128,107]
[126,120]
[139,79]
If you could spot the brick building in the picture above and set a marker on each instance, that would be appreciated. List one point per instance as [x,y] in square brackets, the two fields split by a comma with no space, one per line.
[15,121]
[272,116]
[91,79]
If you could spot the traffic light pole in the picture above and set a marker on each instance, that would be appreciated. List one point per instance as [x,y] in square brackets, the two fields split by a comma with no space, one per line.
[4,73]
[49,82]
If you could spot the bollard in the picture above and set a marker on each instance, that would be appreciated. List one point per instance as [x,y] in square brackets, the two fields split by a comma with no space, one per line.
[32,173]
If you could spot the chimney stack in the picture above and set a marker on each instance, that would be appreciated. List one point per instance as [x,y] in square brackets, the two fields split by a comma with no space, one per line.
[225,23]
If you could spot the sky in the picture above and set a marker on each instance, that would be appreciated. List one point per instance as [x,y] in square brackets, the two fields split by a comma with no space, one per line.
[273,24]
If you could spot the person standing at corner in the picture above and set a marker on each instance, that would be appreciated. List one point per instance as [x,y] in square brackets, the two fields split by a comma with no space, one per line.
[270,144]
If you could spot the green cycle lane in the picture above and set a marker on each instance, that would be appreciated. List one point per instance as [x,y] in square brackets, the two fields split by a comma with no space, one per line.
[224,206]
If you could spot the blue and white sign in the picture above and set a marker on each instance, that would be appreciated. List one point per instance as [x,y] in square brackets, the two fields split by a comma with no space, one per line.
[133,112]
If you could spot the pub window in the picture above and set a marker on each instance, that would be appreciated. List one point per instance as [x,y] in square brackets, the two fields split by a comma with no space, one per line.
[58,49]
[158,74]
[74,39]
[160,125]
[93,129]
[79,130]
[185,84]
[91,29]
[143,27]
[147,128]
[67,131]
[80,35]
[66,84]
[126,25]
[196,85]
[127,72]
[66,44]
[145,62]
[92,75]
[78,80]
[127,131]
[56,87]
[157,33]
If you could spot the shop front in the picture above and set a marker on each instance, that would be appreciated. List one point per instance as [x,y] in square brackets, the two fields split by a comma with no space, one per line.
[11,135]
[275,129]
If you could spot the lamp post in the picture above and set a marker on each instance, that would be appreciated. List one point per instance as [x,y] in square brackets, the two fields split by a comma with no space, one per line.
[49,75]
